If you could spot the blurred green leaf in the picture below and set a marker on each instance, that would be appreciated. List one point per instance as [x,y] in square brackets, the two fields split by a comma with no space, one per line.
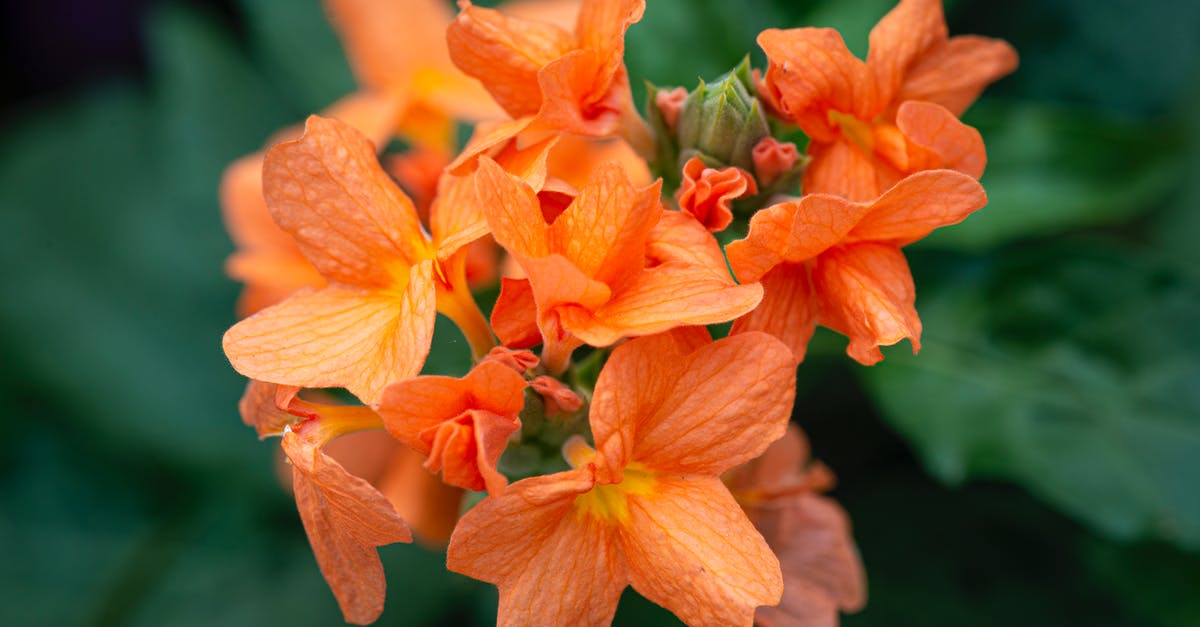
[1150,579]
[116,244]
[1051,170]
[1070,370]
[300,52]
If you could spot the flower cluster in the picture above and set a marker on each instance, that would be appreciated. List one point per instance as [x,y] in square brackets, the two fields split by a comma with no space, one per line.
[634,450]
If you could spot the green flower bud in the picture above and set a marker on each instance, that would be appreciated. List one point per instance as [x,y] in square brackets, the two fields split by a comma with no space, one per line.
[722,121]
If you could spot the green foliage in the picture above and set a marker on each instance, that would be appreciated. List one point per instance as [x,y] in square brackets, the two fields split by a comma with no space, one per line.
[1049,368]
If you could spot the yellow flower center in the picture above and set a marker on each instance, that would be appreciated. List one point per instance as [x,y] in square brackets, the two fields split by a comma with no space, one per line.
[610,503]
[854,129]
[607,502]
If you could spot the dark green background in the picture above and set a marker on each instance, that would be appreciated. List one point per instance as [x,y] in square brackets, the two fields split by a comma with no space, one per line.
[1037,464]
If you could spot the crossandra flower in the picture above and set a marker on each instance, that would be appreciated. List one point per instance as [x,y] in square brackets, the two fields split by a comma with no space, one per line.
[809,533]
[373,323]
[548,79]
[594,272]
[825,260]
[646,508]
[462,425]
[267,259]
[872,123]
[344,516]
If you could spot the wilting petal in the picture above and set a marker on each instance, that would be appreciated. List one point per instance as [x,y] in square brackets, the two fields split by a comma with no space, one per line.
[339,337]
[937,139]
[661,298]
[901,38]
[514,318]
[259,409]
[692,550]
[603,232]
[956,72]
[328,190]
[729,401]
[505,54]
[843,169]
[812,72]
[512,210]
[917,205]
[552,565]
[866,293]
[625,395]
[345,519]
[788,310]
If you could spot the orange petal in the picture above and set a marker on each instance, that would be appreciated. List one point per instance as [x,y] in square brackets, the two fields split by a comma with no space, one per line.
[456,218]
[558,398]
[463,424]
[514,317]
[558,282]
[552,566]
[793,231]
[956,72]
[866,293]
[842,169]
[917,205]
[899,39]
[603,232]
[339,337]
[936,139]
[708,193]
[259,409]
[505,54]
[601,25]
[662,298]
[345,519]
[512,210]
[576,158]
[328,190]
[778,471]
[692,550]
[729,400]
[822,572]
[373,114]
[811,72]
[788,310]
[623,395]
[429,506]
[679,238]
[386,41]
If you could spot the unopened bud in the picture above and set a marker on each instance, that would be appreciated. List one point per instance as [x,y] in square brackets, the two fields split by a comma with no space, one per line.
[773,158]
[722,121]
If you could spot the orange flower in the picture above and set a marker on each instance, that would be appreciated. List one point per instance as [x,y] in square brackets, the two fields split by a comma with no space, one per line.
[588,275]
[824,259]
[551,80]
[268,260]
[397,48]
[373,324]
[671,412]
[707,193]
[462,425]
[344,516]
[809,533]
[871,123]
